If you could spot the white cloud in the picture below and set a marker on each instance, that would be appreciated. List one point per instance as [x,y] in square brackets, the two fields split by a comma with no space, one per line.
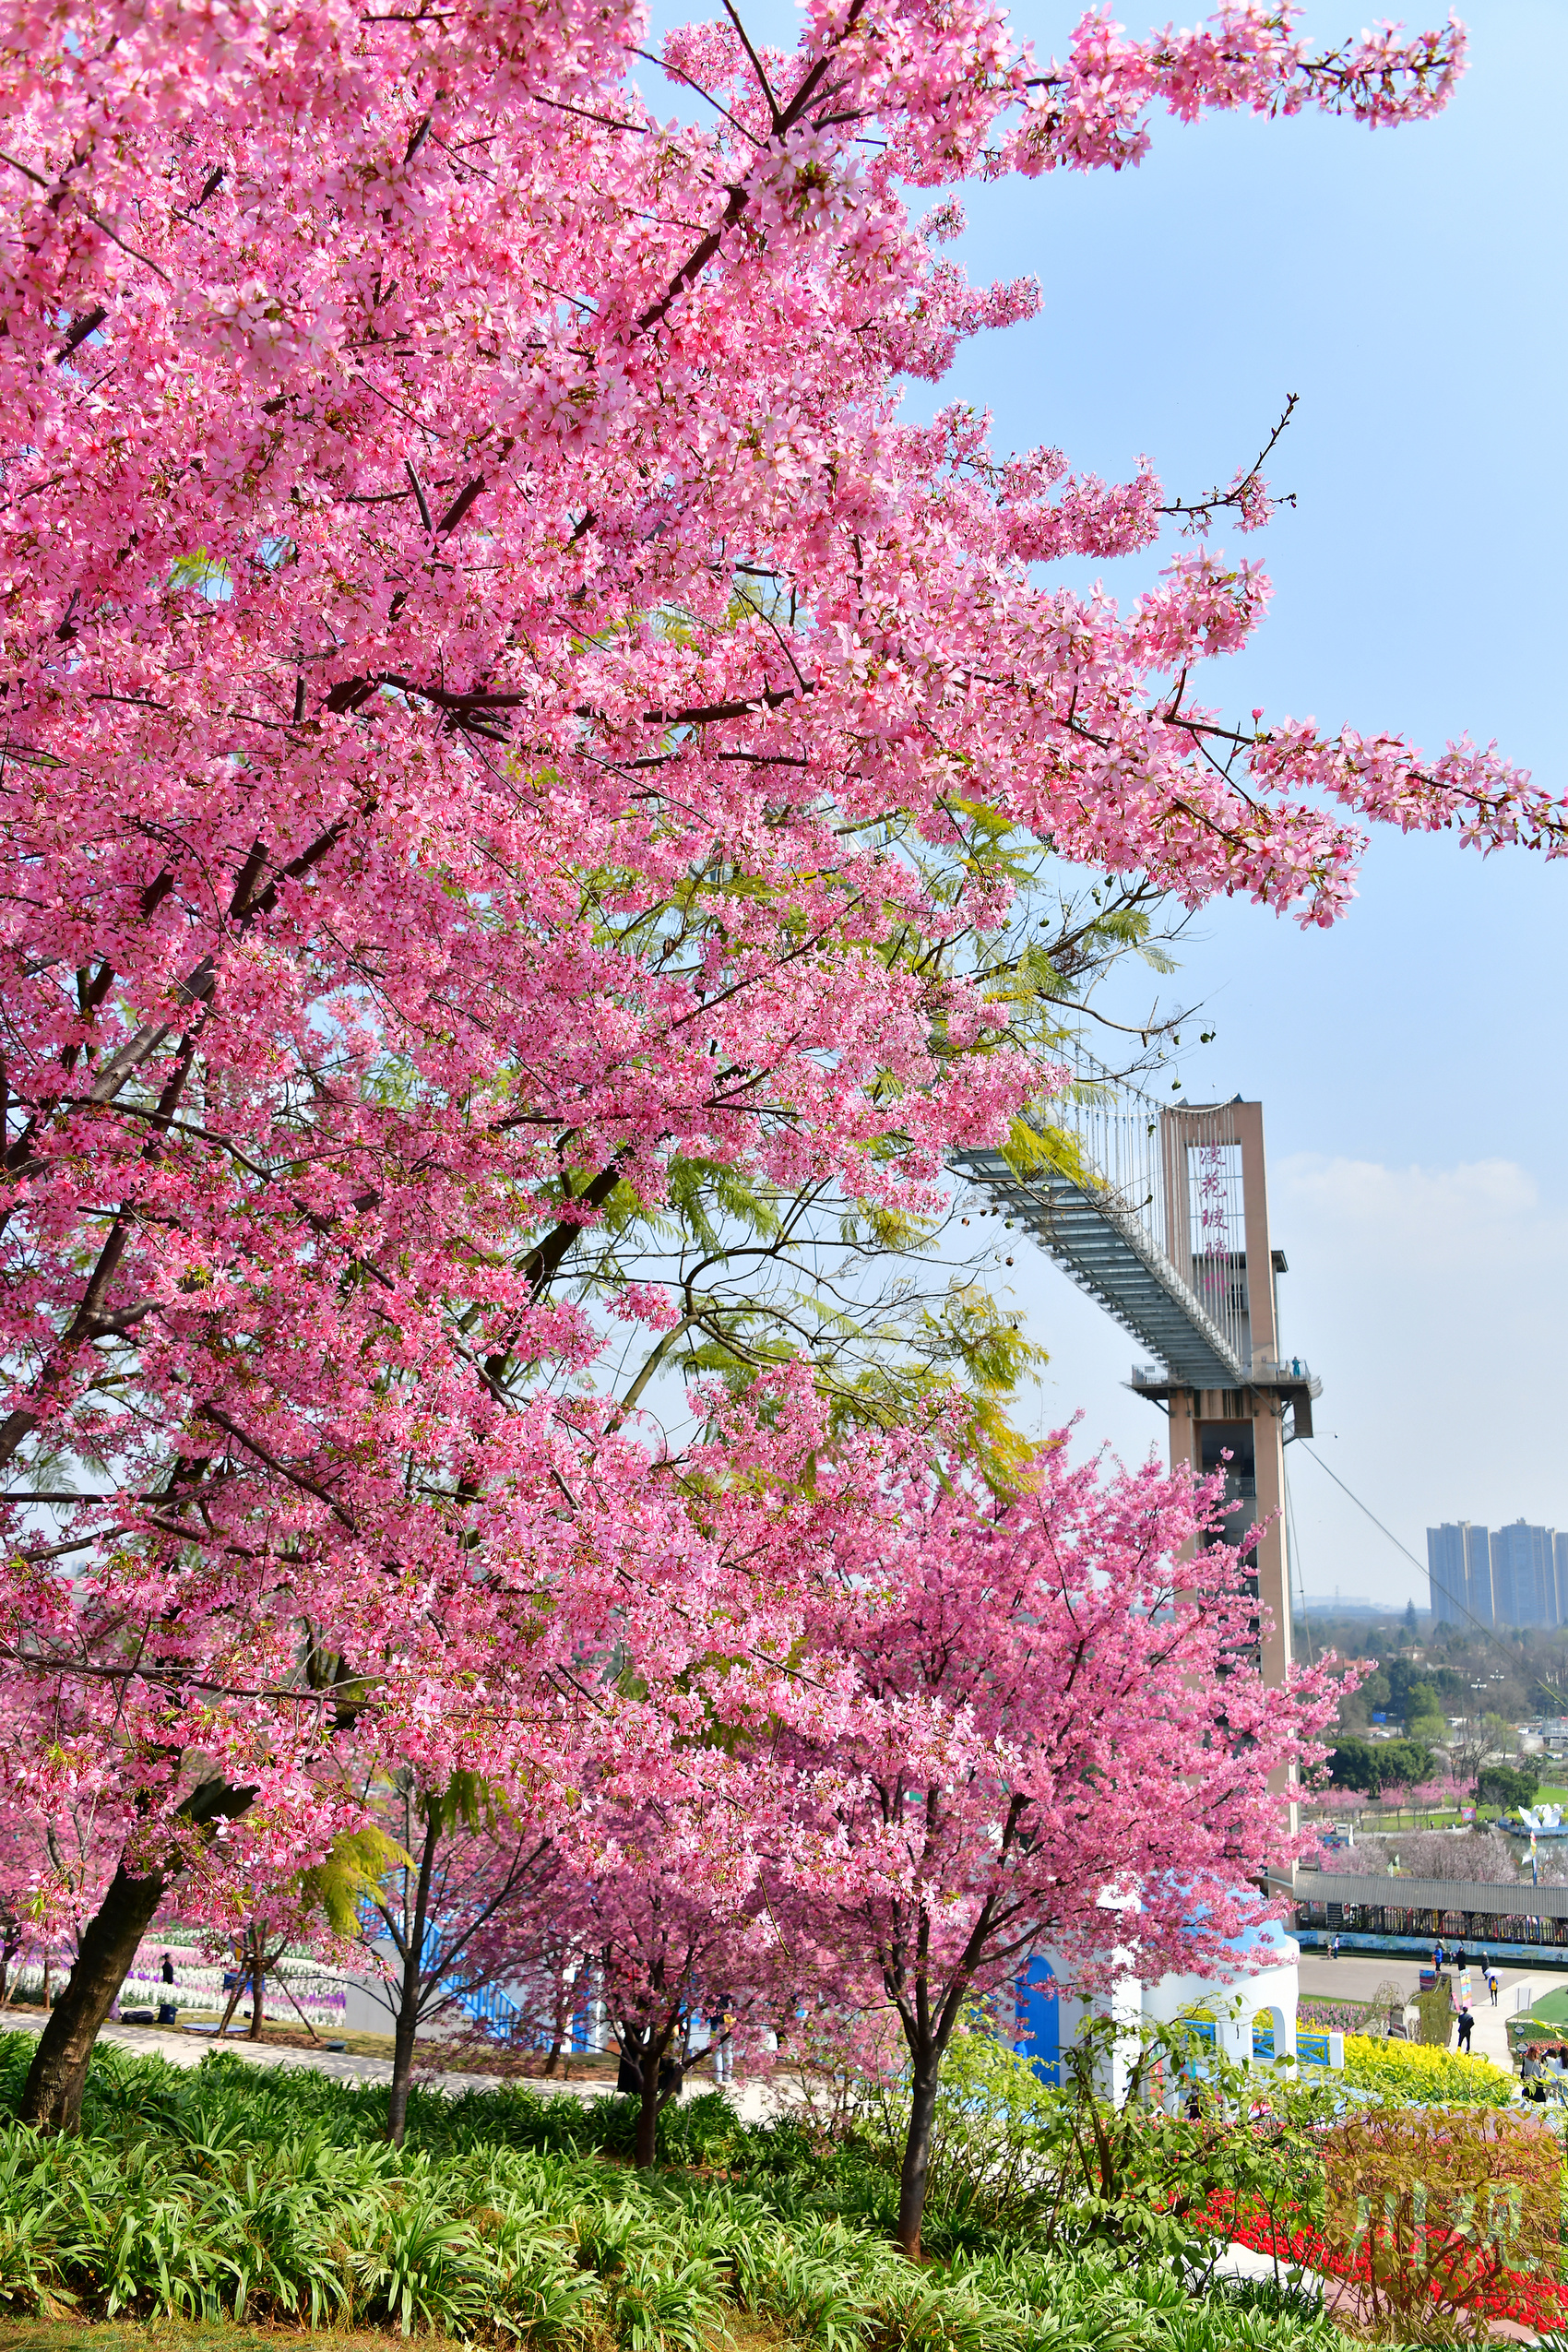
[1412,1210]
[1431,1301]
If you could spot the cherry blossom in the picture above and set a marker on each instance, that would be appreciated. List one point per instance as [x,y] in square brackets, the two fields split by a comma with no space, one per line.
[499,701]
[1065,1743]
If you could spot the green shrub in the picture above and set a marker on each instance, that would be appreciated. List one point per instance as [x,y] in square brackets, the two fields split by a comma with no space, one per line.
[1507,1785]
[1373,1765]
[1435,2018]
[220,2193]
[1442,2208]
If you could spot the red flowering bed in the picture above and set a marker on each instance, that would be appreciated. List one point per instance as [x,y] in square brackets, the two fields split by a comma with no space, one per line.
[1535,2302]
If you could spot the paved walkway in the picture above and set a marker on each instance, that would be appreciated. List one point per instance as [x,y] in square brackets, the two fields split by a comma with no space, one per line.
[1357,1975]
[188,2050]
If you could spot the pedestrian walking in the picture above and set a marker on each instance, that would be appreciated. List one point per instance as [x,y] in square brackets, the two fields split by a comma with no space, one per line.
[1334,1947]
[1437,1959]
[1465,2021]
[1492,1985]
[721,2034]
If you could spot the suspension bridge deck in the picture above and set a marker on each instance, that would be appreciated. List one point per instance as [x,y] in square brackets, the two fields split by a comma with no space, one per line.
[1140,1204]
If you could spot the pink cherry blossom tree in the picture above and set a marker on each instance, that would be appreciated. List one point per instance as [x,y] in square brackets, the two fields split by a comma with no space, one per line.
[52,1876]
[1064,1714]
[501,707]
[232,1757]
[671,1906]
[459,1913]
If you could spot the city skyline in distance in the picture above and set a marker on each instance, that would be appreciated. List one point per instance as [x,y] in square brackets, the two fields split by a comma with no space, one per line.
[1515,1576]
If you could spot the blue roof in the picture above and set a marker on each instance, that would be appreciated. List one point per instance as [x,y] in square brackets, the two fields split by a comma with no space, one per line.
[1271,1931]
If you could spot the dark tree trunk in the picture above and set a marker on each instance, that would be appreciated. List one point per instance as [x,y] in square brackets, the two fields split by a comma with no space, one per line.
[408,1998]
[402,2068]
[648,2109]
[649,2055]
[925,2075]
[51,2096]
[234,2003]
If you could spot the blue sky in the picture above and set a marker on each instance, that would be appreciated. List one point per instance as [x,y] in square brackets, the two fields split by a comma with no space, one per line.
[1409,286]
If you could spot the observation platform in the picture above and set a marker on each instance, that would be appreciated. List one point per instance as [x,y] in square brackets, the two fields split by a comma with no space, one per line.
[1110,1255]
[1141,1203]
[1292,1383]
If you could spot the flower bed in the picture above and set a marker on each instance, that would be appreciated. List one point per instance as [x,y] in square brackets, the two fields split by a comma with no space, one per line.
[1539,2303]
[1334,2016]
[1420,2075]
[323,2004]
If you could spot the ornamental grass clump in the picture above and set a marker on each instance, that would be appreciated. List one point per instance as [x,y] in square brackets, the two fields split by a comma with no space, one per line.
[513,2218]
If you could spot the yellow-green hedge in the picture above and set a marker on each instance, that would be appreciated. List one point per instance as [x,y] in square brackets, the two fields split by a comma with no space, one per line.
[1421,2076]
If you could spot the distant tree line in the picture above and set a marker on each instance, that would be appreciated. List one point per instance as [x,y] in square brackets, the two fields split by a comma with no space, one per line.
[1375,1765]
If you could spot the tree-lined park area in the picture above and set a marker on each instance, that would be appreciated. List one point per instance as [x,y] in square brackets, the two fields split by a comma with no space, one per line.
[552,778]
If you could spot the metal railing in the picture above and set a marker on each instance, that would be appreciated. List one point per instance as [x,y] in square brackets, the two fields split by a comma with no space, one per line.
[1141,1202]
[1173,1171]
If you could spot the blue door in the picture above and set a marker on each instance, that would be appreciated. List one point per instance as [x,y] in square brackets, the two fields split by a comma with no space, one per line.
[1039,2020]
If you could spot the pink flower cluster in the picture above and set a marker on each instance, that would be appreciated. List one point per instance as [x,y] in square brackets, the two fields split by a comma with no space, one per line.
[499,704]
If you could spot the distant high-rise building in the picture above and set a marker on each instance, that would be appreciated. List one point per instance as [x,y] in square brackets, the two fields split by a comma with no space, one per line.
[1445,1574]
[1560,1559]
[1460,1570]
[1524,1576]
[1478,1575]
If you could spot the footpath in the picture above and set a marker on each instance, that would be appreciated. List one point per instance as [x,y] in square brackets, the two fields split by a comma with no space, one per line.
[749,2099]
[1356,1976]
